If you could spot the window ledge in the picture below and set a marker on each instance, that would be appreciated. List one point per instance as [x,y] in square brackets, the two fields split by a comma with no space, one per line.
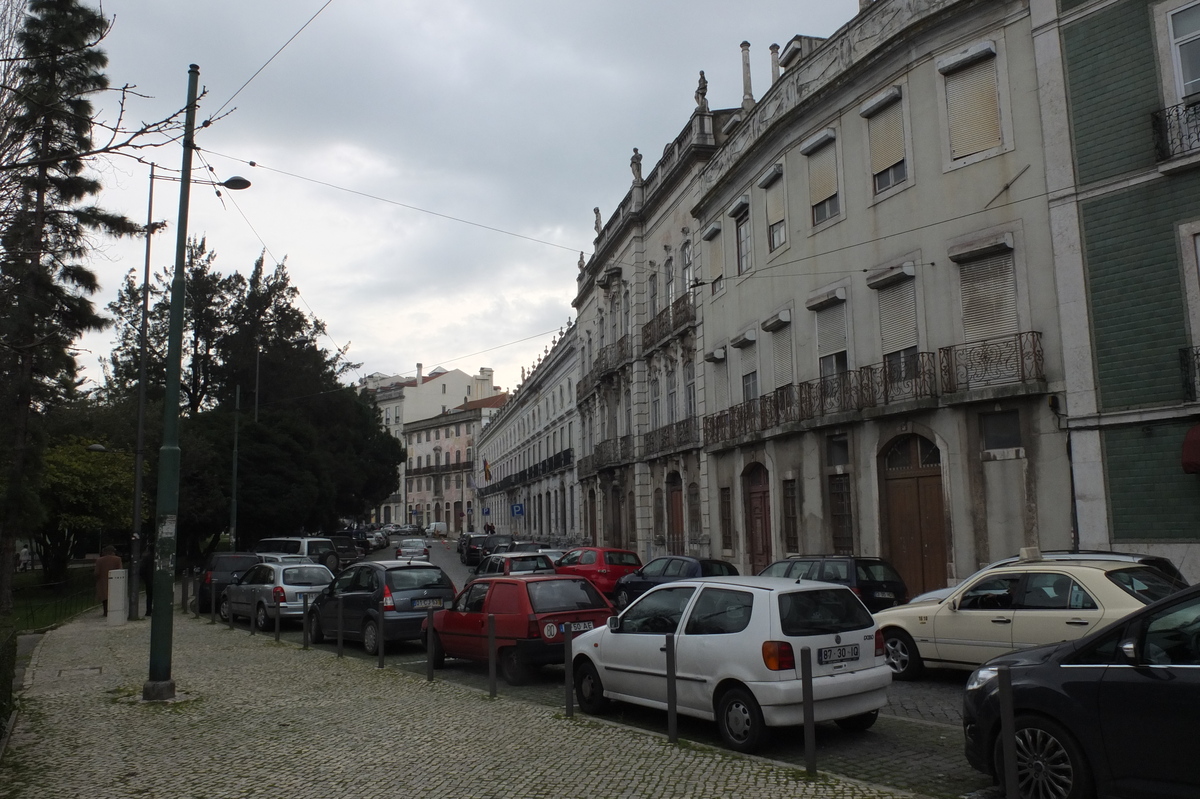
[1180,164]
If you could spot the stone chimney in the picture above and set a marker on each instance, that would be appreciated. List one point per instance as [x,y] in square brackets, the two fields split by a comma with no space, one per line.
[419,374]
[747,92]
[774,63]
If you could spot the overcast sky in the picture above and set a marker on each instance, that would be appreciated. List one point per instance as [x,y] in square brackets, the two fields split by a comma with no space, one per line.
[519,116]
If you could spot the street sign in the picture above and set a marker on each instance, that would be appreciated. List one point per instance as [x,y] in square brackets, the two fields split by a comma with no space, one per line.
[518,509]
[487,511]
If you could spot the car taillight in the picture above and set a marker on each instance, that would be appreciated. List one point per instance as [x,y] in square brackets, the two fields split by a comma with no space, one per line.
[778,655]
[534,627]
[854,588]
[208,578]
[879,648]
[388,602]
[426,551]
[279,595]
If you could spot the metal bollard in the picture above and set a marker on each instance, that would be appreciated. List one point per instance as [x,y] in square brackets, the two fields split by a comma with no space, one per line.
[381,644]
[279,620]
[182,602]
[341,625]
[672,705]
[306,633]
[492,655]
[569,668]
[429,645]
[231,615]
[1008,732]
[212,606]
[810,724]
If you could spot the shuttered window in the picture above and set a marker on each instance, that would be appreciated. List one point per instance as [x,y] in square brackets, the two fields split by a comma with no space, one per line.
[973,108]
[886,132]
[822,173]
[721,385]
[831,329]
[748,361]
[776,228]
[898,316]
[781,352]
[989,297]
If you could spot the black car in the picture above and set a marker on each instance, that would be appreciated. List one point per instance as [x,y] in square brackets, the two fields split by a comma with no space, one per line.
[347,550]
[407,589]
[472,549]
[664,570]
[221,569]
[491,542]
[874,580]
[1112,713]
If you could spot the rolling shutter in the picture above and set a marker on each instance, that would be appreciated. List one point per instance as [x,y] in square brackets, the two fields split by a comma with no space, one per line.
[721,385]
[781,356]
[831,330]
[989,298]
[886,133]
[973,108]
[822,173]
[775,204]
[898,316]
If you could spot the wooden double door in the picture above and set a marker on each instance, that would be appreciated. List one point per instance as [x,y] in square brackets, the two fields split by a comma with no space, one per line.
[915,512]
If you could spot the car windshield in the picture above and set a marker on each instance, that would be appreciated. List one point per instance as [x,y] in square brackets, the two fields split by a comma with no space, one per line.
[827,610]
[1147,584]
[292,546]
[877,571]
[622,559]
[551,596]
[528,563]
[412,543]
[717,568]
[307,575]
[411,579]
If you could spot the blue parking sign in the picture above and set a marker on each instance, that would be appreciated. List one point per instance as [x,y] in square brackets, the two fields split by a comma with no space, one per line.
[518,509]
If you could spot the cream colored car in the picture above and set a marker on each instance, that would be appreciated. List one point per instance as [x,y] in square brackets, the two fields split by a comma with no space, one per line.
[1018,605]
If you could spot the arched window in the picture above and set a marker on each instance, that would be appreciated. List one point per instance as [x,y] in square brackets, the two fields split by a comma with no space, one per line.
[668,282]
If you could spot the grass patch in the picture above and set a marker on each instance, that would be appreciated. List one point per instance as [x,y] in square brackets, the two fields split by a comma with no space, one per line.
[38,604]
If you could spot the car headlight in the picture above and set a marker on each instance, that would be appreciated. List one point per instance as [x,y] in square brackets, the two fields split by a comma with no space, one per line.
[981,677]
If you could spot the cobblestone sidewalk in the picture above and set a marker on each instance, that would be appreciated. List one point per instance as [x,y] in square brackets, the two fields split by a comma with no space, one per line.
[256,718]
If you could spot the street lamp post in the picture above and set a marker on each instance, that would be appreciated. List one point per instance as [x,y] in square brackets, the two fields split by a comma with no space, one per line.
[160,686]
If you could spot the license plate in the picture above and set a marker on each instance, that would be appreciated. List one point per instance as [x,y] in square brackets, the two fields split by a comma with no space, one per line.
[837,654]
[884,595]
[580,626]
[299,597]
[421,604]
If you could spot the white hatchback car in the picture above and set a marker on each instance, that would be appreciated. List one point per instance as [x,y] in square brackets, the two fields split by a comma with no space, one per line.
[738,644]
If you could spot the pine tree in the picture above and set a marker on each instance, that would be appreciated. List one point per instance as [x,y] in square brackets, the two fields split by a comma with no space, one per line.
[45,286]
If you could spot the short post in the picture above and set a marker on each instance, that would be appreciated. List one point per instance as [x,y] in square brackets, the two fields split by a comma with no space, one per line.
[196,585]
[212,605]
[672,709]
[253,613]
[1008,732]
[569,667]
[183,601]
[380,638]
[341,625]
[429,633]
[492,655]
[231,615]
[279,619]
[810,722]
[304,645]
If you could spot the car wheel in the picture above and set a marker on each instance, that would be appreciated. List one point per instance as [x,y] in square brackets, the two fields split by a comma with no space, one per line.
[589,690]
[511,668]
[262,619]
[902,655]
[433,649]
[1050,764]
[863,721]
[370,635]
[223,609]
[330,561]
[740,720]
[622,598]
[315,633]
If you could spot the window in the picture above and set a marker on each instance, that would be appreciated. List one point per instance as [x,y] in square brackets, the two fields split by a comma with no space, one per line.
[658,612]
[653,292]
[991,593]
[775,206]
[727,519]
[720,611]
[898,330]
[443,388]
[669,282]
[823,183]
[654,404]
[685,256]
[718,284]
[831,340]
[689,378]
[791,526]
[885,134]
[837,450]
[749,386]
[781,356]
[1000,430]
[989,298]
[1049,591]
[1185,40]
[841,514]
[743,244]
[972,100]
[672,394]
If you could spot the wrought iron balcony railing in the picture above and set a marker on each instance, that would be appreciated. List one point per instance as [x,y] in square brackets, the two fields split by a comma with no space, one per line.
[1189,364]
[1011,359]
[587,466]
[1176,131]
[682,311]
[656,329]
[836,393]
[672,436]
[903,378]
[614,451]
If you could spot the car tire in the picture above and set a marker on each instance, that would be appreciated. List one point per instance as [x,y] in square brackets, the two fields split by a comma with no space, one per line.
[859,723]
[511,668]
[370,637]
[589,690]
[315,634]
[740,720]
[902,656]
[262,619]
[622,598]
[223,609]
[330,561]
[1050,763]
[434,650]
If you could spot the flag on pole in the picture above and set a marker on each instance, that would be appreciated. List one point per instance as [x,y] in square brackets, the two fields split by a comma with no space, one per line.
[487,470]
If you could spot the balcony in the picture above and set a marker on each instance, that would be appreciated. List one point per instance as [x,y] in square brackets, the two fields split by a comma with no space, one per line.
[909,377]
[1189,364]
[441,468]
[1176,131]
[999,361]
[683,312]
[656,329]
[835,393]
[613,452]
[669,437]
[586,467]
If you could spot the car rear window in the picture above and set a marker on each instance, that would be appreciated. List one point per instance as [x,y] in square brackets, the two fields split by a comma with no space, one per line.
[291,547]
[717,568]
[1147,584]
[413,543]
[233,563]
[826,610]
[877,571]
[622,559]
[410,579]
[551,596]
[527,563]
[307,575]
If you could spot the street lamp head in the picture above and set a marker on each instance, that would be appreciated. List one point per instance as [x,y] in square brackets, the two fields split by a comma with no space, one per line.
[97,448]
[236,183]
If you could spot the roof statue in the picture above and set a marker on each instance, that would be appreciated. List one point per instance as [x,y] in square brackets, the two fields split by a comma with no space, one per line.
[581,261]
[702,94]
[599,224]
[635,164]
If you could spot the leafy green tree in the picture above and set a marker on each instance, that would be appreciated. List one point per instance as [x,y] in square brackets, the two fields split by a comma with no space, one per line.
[44,285]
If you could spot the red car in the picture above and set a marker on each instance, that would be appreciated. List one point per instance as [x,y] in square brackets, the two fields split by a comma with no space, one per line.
[530,611]
[602,565]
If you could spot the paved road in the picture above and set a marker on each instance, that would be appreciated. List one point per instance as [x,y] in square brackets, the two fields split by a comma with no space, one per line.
[916,745]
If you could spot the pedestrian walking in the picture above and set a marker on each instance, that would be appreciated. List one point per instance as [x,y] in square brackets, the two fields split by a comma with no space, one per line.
[107,561]
[25,560]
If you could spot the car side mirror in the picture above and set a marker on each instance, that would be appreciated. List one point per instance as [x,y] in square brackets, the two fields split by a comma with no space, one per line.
[953,604]
[235,578]
[1128,649]
[614,623]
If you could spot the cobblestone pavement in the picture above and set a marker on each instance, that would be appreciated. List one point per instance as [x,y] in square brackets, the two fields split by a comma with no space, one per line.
[256,718]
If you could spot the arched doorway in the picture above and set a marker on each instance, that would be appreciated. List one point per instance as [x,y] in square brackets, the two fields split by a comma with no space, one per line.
[757,492]
[915,512]
[675,514]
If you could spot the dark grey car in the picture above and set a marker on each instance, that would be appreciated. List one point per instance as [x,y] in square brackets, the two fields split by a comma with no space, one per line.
[220,570]
[271,589]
